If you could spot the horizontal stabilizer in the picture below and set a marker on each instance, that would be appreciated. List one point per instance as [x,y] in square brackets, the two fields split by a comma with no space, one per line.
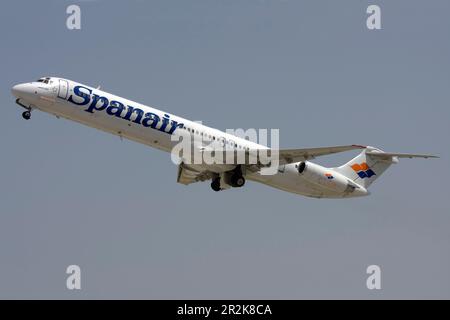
[388,155]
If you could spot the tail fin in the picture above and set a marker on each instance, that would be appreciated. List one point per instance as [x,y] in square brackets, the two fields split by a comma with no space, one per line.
[370,164]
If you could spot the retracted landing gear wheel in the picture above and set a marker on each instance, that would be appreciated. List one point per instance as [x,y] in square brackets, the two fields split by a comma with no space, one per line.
[215,184]
[26,115]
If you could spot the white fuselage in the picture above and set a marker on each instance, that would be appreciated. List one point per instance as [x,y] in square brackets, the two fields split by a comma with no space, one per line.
[150,126]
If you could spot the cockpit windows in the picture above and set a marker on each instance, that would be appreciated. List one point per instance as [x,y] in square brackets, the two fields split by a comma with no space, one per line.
[44,80]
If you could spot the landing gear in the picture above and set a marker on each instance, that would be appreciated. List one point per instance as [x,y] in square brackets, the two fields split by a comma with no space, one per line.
[215,184]
[233,178]
[26,115]
[237,180]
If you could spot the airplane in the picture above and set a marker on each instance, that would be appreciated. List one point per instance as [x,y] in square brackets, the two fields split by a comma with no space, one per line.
[295,173]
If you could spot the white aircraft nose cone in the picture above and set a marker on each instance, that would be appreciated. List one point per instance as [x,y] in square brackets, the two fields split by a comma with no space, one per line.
[18,90]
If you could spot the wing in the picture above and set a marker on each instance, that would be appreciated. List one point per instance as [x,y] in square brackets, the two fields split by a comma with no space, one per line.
[287,156]
[188,174]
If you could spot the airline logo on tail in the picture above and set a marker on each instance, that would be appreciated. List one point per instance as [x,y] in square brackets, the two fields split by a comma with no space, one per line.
[362,170]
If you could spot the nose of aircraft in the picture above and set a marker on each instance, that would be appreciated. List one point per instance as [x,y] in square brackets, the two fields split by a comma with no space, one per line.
[19,89]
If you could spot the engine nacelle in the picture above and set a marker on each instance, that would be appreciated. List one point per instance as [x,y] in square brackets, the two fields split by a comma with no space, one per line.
[326,178]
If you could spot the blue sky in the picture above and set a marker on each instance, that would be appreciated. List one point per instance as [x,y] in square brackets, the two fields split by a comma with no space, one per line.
[73,195]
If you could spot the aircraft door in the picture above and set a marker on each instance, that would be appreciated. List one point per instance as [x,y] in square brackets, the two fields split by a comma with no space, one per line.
[63,89]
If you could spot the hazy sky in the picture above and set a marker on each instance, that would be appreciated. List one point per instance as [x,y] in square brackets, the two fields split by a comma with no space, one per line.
[70,194]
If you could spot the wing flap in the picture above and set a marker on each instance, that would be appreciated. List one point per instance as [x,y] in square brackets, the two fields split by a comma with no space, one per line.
[187,175]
